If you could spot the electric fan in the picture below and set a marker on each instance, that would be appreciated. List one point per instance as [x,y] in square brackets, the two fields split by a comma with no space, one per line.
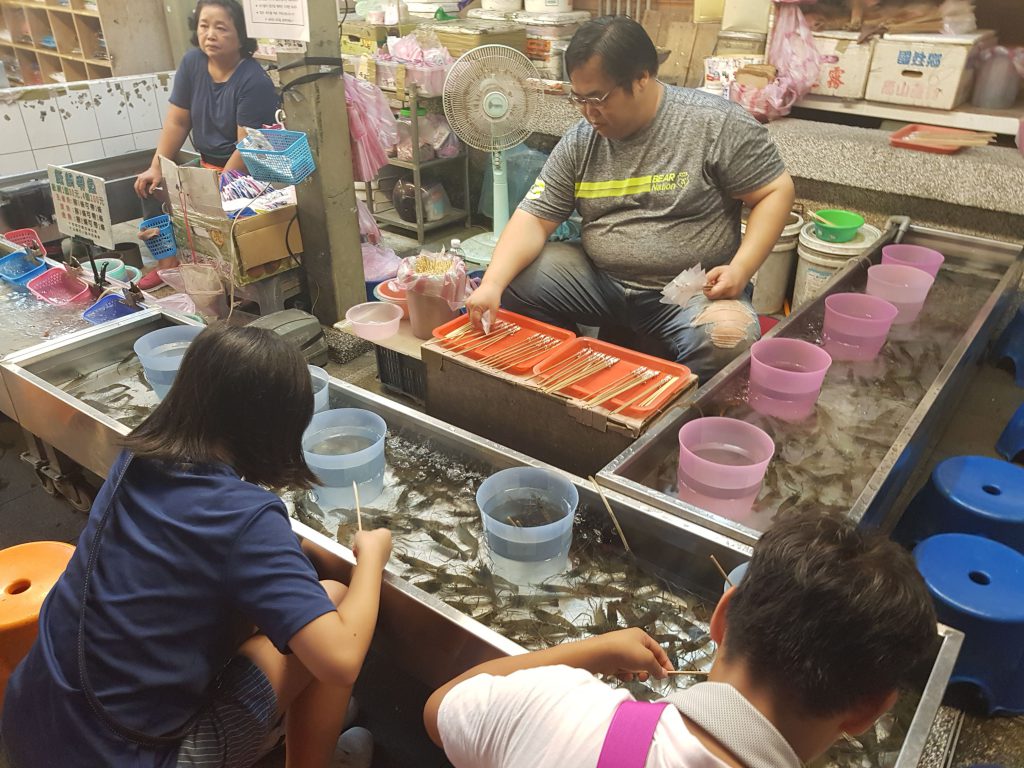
[491,95]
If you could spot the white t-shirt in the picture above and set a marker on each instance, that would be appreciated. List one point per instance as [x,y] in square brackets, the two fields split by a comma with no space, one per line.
[550,717]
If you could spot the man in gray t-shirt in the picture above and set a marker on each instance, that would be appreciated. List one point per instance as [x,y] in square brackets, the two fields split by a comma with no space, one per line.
[659,175]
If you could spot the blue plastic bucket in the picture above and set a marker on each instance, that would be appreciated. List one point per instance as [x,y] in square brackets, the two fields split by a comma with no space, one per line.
[344,446]
[161,352]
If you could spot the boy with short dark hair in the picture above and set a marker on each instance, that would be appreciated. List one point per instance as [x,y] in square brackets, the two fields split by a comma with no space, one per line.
[815,642]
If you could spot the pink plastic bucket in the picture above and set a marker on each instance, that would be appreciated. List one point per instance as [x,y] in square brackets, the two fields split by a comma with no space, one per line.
[926,259]
[905,287]
[856,325]
[786,377]
[722,464]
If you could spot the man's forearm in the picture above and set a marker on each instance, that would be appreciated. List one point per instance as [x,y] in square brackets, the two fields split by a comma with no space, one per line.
[520,244]
[768,217]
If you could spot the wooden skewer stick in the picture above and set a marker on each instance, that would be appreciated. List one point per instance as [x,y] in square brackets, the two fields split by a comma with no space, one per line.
[510,351]
[640,394]
[607,506]
[615,384]
[721,570]
[635,381]
[359,512]
[666,385]
[583,363]
[820,219]
[560,365]
[694,672]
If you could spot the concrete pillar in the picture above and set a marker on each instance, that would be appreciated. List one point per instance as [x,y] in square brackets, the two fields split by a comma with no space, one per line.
[327,204]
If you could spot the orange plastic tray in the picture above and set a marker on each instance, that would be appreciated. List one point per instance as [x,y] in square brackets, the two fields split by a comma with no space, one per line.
[628,360]
[899,139]
[527,326]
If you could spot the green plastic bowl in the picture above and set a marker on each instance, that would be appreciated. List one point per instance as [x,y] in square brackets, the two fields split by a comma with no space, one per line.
[843,229]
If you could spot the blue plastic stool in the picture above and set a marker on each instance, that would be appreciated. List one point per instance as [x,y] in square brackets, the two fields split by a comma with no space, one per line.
[1011,345]
[978,587]
[968,494]
[1011,442]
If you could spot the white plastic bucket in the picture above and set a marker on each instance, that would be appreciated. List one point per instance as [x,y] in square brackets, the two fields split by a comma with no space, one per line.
[502,5]
[773,280]
[548,6]
[819,260]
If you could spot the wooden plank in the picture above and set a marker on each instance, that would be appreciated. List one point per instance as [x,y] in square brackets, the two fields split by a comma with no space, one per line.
[703,47]
[680,42]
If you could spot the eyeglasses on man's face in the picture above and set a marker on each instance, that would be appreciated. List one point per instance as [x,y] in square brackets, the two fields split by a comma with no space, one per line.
[582,102]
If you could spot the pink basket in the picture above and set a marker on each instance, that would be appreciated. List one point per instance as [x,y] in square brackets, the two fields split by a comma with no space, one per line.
[25,237]
[56,286]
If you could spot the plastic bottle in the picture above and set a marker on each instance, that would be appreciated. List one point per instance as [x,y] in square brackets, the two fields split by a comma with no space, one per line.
[997,82]
[456,249]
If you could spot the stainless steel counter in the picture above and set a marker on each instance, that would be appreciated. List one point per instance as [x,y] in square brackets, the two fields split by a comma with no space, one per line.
[873,420]
[82,393]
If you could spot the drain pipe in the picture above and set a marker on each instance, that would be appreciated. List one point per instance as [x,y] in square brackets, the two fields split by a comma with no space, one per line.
[904,225]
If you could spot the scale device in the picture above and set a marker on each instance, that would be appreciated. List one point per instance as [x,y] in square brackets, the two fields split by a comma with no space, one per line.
[301,329]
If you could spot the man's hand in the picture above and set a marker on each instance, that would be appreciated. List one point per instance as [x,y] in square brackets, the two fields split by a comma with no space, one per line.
[147,182]
[726,282]
[484,299]
[373,547]
[632,653]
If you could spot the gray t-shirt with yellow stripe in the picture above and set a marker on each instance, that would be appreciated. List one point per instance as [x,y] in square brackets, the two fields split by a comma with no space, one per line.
[664,199]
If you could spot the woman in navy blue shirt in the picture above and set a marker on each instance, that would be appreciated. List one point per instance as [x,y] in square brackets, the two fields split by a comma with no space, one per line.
[147,654]
[219,91]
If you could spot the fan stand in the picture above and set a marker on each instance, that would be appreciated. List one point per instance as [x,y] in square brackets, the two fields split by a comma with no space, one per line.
[479,249]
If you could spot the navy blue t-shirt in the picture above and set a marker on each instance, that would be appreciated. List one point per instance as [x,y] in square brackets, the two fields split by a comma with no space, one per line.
[246,99]
[190,559]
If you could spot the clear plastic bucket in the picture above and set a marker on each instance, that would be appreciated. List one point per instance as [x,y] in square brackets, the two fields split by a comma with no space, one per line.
[160,353]
[927,259]
[905,287]
[344,446]
[856,325]
[786,377]
[722,463]
[321,391]
[527,515]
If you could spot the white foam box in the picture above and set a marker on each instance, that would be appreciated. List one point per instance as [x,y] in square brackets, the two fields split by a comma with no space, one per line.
[844,64]
[934,71]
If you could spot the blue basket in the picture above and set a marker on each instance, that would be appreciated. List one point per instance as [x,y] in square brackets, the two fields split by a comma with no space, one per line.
[289,162]
[108,308]
[163,245]
[19,267]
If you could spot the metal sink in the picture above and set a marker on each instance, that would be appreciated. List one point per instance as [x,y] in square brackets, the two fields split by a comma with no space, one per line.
[873,421]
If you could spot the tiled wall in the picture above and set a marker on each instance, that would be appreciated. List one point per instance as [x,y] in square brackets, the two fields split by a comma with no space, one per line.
[43,125]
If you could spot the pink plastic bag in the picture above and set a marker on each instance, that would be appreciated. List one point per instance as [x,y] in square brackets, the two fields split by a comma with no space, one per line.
[379,263]
[367,224]
[372,127]
[793,53]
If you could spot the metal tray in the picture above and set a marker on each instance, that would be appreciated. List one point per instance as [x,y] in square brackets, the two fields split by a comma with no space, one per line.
[873,421]
[419,625]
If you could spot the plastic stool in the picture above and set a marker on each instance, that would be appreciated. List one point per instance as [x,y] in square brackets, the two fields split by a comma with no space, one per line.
[27,573]
[1011,345]
[1011,442]
[271,292]
[978,587]
[968,494]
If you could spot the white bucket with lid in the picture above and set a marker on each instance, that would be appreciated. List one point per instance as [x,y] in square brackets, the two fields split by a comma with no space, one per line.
[773,279]
[548,6]
[819,260]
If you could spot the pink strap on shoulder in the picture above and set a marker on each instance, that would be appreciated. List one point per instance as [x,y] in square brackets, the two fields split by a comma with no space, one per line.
[630,734]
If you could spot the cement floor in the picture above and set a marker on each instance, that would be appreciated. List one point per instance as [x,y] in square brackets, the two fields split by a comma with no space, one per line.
[391,703]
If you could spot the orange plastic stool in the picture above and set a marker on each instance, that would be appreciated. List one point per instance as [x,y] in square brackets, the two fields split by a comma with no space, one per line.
[27,573]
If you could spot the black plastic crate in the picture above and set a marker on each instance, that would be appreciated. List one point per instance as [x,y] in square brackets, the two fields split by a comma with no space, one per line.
[401,373]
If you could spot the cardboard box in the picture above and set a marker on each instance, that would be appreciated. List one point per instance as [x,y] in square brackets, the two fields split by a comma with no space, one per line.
[257,249]
[934,71]
[491,404]
[845,65]
[362,38]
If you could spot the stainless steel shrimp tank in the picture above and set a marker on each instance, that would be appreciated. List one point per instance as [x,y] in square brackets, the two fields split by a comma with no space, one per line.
[445,606]
[873,421]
